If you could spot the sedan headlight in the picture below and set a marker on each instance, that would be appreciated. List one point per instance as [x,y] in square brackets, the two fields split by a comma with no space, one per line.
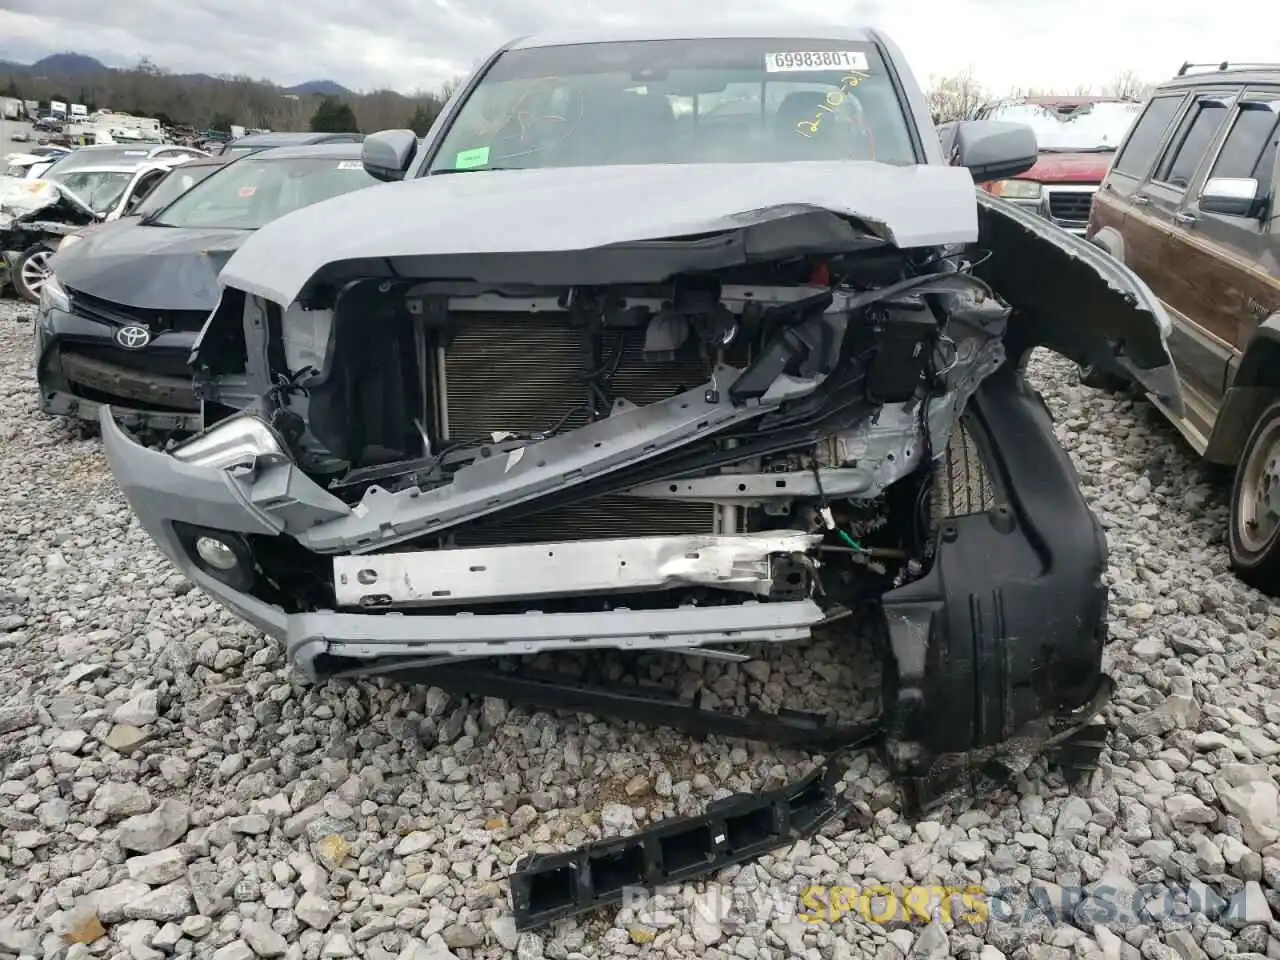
[53,296]
[244,440]
[1016,189]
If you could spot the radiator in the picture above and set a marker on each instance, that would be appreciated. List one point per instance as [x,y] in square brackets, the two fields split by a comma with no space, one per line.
[511,373]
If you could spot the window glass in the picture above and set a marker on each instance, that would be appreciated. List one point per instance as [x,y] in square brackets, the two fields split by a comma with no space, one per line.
[1190,147]
[99,190]
[249,193]
[173,186]
[1249,150]
[680,101]
[1139,153]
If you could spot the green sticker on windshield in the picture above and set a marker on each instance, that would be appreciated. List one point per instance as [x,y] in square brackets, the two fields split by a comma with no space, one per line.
[469,159]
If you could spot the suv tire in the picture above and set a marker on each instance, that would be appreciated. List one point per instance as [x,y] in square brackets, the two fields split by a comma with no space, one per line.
[1091,376]
[1254,529]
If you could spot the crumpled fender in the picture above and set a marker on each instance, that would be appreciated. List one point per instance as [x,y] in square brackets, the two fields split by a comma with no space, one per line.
[1075,298]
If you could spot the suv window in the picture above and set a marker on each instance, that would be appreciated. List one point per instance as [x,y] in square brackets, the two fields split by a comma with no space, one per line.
[1250,147]
[1148,133]
[1198,129]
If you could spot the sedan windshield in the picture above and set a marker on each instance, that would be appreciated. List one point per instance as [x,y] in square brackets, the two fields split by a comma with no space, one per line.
[175,184]
[253,191]
[680,101]
[100,190]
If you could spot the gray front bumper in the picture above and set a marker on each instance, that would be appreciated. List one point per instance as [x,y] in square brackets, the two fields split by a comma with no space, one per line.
[162,490]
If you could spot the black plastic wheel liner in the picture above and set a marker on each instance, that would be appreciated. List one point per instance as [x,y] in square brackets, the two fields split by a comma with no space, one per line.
[1007,626]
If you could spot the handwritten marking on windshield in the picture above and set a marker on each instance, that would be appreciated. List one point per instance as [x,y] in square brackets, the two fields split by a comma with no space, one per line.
[832,100]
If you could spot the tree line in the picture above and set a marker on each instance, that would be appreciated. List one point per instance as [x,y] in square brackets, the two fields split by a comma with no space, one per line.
[217,102]
[961,96]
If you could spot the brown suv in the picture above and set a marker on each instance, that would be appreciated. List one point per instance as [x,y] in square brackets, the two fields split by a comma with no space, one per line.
[1189,205]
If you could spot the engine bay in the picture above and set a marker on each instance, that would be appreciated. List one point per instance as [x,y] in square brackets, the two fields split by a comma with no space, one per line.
[788,397]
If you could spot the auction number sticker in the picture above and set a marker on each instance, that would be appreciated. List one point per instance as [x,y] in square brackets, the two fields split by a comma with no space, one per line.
[470,159]
[350,165]
[797,60]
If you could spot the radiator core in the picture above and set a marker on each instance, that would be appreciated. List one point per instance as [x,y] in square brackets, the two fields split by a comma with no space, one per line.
[522,374]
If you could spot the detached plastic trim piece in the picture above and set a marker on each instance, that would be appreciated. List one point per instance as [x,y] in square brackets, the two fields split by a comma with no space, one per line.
[550,887]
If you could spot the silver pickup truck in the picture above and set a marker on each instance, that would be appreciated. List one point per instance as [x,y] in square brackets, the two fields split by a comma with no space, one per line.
[668,340]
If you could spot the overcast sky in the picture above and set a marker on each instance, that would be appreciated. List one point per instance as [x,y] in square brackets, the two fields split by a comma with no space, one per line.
[411,44]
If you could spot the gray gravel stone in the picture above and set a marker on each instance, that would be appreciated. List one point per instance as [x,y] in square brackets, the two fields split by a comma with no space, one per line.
[165,768]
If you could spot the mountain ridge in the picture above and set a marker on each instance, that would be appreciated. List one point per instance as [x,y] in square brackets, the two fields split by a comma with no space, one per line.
[74,65]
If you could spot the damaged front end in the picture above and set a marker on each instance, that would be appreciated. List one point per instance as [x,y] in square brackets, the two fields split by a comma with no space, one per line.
[729,437]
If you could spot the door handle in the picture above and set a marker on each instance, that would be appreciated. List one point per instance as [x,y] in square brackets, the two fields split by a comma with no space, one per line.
[1186,219]
[1141,199]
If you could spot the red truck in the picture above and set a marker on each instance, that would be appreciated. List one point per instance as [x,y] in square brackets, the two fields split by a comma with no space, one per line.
[1078,137]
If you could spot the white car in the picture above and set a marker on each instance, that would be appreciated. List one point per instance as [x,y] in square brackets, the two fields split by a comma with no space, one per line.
[102,192]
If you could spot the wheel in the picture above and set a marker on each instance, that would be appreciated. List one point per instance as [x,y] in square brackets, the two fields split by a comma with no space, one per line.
[1254,530]
[1091,376]
[961,484]
[30,271]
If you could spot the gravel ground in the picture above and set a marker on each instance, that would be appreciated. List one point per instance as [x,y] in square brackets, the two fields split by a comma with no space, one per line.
[170,787]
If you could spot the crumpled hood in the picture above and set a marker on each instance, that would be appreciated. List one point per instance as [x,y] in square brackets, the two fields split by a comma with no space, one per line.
[19,197]
[470,224]
[152,268]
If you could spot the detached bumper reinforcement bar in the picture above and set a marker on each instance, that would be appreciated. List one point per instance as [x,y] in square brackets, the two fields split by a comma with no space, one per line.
[651,706]
[549,887]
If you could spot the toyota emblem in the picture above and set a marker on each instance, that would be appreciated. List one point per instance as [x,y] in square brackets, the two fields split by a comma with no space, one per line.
[133,337]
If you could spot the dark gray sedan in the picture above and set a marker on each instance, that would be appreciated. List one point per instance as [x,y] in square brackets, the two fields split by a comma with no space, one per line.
[126,300]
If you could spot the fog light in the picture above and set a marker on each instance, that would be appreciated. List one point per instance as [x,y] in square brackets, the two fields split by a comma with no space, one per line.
[225,556]
[216,553]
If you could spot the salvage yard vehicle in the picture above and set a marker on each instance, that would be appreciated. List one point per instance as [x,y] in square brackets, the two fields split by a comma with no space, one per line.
[254,142]
[124,302]
[62,202]
[1075,154]
[599,374]
[125,153]
[1190,206]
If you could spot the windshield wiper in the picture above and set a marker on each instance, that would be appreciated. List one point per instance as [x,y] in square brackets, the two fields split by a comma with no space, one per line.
[470,170]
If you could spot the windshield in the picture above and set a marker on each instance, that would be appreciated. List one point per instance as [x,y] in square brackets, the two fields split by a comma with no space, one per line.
[100,190]
[252,192]
[1097,128]
[178,182]
[680,101]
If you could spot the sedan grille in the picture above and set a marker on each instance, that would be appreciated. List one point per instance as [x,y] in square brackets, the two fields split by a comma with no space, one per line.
[119,314]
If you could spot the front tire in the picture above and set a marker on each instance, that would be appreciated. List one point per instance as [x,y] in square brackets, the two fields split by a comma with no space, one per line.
[1091,376]
[30,271]
[1254,530]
